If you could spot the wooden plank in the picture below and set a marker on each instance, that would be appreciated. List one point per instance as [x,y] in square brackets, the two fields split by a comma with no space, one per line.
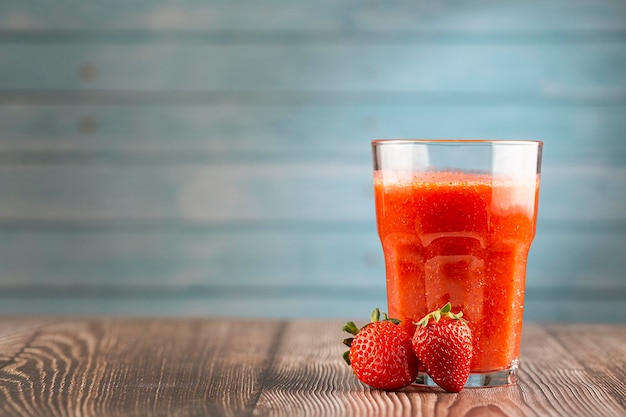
[545,69]
[81,367]
[237,192]
[309,350]
[107,367]
[305,304]
[602,355]
[272,274]
[566,389]
[327,260]
[569,186]
[253,191]
[579,259]
[475,15]
[265,306]
[561,307]
[585,134]
[334,258]
[308,376]
[15,335]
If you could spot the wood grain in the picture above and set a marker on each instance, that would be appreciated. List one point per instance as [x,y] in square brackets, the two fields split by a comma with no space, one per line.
[569,388]
[600,353]
[15,335]
[224,367]
[139,368]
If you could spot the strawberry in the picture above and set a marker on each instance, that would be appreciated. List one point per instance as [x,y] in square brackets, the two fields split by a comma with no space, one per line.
[380,353]
[443,344]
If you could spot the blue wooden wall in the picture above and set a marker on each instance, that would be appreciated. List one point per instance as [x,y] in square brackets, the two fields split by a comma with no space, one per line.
[201,157]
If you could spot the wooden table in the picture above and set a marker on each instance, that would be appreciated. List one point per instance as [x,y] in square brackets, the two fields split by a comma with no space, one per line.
[211,367]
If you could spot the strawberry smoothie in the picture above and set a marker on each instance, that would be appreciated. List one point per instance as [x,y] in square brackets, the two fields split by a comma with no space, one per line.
[463,238]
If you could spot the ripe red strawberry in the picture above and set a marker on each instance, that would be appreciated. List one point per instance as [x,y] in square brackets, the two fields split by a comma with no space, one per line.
[380,353]
[443,344]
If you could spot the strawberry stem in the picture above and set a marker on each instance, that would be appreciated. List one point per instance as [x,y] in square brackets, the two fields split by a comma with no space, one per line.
[375,316]
[436,315]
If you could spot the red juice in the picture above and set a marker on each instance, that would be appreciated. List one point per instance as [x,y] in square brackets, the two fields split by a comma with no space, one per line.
[461,238]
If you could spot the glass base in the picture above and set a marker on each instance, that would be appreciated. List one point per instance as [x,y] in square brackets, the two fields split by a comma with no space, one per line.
[476,380]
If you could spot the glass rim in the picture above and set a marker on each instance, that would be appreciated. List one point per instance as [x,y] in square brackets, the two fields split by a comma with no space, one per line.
[390,141]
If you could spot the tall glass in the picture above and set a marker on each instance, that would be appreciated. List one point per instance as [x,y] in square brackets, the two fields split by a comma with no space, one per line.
[456,219]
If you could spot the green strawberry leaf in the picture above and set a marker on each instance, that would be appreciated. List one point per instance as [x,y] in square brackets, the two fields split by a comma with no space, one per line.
[346,356]
[375,316]
[351,328]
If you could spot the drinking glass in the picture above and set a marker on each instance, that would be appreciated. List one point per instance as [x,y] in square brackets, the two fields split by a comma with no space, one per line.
[456,219]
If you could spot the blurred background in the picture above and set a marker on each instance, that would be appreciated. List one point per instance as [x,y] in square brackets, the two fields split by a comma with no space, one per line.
[212,157]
